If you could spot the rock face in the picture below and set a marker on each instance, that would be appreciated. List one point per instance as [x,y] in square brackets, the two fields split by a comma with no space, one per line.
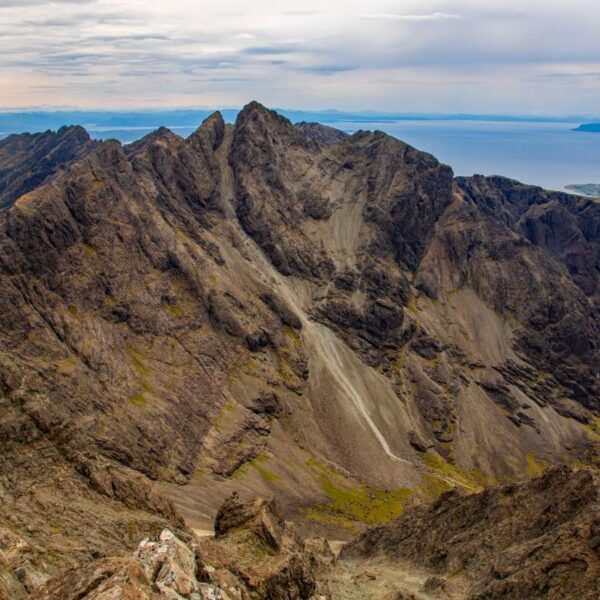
[539,539]
[28,161]
[161,569]
[255,550]
[242,563]
[321,133]
[332,320]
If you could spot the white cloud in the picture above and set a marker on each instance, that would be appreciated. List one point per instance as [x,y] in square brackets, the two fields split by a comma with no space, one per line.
[436,16]
[404,55]
[21,3]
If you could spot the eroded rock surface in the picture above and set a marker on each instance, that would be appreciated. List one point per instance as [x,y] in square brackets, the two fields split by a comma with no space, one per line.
[330,319]
[265,555]
[30,160]
[538,539]
[254,556]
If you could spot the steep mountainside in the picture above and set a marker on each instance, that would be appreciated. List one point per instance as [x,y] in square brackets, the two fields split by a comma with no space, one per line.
[334,320]
[27,161]
[540,539]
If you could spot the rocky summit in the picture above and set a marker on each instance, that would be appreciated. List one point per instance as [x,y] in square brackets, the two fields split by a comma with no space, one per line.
[287,311]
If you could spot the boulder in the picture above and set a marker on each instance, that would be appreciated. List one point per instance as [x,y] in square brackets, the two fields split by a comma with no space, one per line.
[260,517]
[254,544]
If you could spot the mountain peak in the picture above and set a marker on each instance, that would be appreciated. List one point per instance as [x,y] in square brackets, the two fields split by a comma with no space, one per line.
[255,107]
[162,136]
[74,130]
[255,112]
[211,132]
[29,160]
[256,122]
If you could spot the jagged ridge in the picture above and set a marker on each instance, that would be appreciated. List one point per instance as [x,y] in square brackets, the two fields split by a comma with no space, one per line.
[256,307]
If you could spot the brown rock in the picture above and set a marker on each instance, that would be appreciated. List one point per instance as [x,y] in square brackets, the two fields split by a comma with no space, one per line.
[261,518]
[513,542]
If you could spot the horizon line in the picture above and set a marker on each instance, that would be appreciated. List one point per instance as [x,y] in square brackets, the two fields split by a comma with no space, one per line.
[570,117]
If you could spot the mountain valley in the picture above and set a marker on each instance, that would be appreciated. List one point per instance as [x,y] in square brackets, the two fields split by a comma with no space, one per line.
[288,311]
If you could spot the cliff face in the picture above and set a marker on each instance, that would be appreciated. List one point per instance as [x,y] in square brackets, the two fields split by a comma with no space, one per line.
[331,319]
[28,161]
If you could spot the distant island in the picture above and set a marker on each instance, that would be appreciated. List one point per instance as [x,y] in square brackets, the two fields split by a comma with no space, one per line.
[586,189]
[589,127]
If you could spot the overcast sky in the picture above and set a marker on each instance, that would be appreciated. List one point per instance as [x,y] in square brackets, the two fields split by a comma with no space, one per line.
[497,56]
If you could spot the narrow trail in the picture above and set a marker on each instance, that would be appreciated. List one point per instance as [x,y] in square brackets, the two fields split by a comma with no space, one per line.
[327,343]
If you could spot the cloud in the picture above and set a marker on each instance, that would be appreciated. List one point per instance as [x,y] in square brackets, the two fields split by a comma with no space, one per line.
[327,69]
[271,50]
[22,3]
[436,55]
[436,16]
[302,13]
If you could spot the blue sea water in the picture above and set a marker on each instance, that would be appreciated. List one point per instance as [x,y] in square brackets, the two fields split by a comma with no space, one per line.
[551,155]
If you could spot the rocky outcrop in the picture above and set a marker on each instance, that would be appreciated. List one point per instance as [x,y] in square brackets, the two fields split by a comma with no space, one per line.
[322,134]
[266,556]
[268,156]
[30,160]
[559,321]
[254,556]
[537,539]
[566,227]
[164,568]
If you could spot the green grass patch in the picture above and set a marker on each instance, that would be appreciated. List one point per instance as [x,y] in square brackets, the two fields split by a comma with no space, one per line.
[257,463]
[356,501]
[147,387]
[251,366]
[285,371]
[293,336]
[267,476]
[534,467]
[592,429]
[322,515]
[399,362]
[175,309]
[449,475]
[138,361]
[224,415]
[138,400]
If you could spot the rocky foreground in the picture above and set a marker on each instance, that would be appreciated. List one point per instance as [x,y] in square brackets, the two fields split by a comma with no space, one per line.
[254,554]
[535,540]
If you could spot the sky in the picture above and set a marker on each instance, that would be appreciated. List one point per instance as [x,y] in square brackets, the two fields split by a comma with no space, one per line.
[522,57]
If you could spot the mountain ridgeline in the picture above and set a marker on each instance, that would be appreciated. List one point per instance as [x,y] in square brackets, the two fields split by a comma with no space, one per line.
[331,319]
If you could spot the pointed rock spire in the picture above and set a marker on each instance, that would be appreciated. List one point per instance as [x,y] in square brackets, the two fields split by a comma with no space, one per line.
[211,133]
